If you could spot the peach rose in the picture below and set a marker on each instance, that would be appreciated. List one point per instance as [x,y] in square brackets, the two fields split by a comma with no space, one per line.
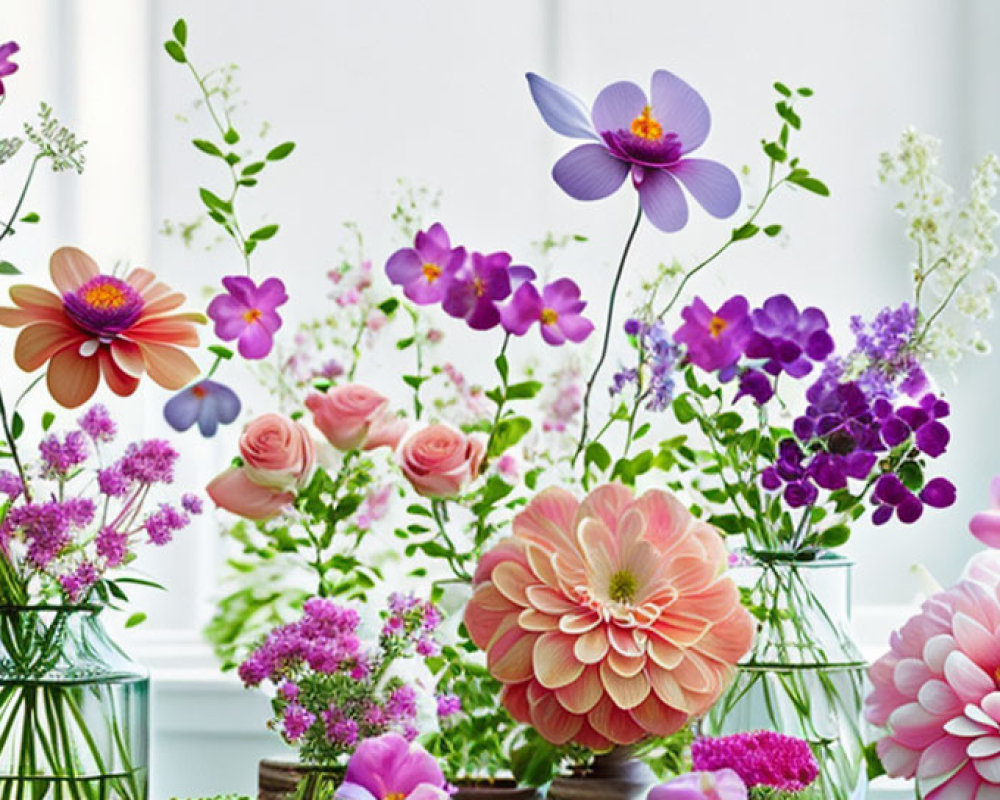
[352,416]
[278,457]
[440,461]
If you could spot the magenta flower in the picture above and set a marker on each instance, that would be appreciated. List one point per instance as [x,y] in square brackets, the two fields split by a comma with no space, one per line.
[7,67]
[390,767]
[760,758]
[648,138]
[479,285]
[207,402]
[556,310]
[984,525]
[722,785]
[425,271]
[788,340]
[248,314]
[715,339]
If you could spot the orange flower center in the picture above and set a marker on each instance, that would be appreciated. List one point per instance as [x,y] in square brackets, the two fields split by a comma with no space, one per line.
[395,796]
[646,127]
[199,391]
[104,296]
[252,315]
[549,316]
[623,586]
[480,288]
[431,272]
[716,326]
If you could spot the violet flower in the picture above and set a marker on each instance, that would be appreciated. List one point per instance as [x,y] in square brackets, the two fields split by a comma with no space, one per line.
[557,310]
[482,282]
[715,339]
[207,402]
[425,271]
[786,339]
[7,67]
[724,784]
[390,767]
[248,314]
[648,138]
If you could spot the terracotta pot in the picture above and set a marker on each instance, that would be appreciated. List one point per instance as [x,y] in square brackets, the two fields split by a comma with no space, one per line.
[278,780]
[615,775]
[494,790]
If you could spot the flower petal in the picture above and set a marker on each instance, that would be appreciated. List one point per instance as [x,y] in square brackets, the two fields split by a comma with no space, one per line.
[168,366]
[71,378]
[38,342]
[617,105]
[233,491]
[562,111]
[680,109]
[555,665]
[712,184]
[589,172]
[70,268]
[120,382]
[662,200]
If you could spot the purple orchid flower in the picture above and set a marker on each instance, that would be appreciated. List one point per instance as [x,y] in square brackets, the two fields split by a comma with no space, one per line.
[483,281]
[715,339]
[7,67]
[248,314]
[425,271]
[556,309]
[207,402]
[390,767]
[648,138]
[788,340]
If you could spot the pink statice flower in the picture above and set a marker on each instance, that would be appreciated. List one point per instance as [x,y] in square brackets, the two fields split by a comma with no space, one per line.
[96,422]
[62,454]
[565,402]
[248,314]
[374,507]
[296,720]
[760,758]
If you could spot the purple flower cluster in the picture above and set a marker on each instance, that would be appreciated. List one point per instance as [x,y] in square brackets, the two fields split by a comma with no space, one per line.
[448,705]
[77,583]
[476,287]
[885,348]
[11,485]
[659,355]
[411,619]
[760,758]
[164,522]
[96,422]
[46,528]
[61,455]
[150,462]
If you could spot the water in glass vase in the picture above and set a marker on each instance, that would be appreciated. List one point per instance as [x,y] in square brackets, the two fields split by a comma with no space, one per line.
[73,709]
[804,676]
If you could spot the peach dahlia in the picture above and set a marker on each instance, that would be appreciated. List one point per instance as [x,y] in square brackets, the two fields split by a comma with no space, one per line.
[609,619]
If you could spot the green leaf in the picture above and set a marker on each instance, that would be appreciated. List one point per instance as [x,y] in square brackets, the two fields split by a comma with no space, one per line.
[31,217]
[135,619]
[523,391]
[175,51]
[207,147]
[802,178]
[6,268]
[502,366]
[775,151]
[47,419]
[782,89]
[180,30]
[402,344]
[387,307]
[683,410]
[265,232]
[16,425]
[728,421]
[213,201]
[232,159]
[747,231]
[254,168]
[804,91]
[231,136]
[727,523]
[534,764]
[280,152]
[597,454]
[872,761]
[414,381]
[835,536]
[911,474]
[508,433]
[222,352]
[772,230]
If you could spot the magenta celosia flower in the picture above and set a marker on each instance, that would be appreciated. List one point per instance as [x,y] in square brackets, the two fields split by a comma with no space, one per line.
[425,271]
[557,310]
[296,720]
[722,785]
[760,758]
[248,314]
[390,767]
[477,288]
[715,339]
[7,67]
[649,138]
[935,691]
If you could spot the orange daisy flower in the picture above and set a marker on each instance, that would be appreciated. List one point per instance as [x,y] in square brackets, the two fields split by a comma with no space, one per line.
[101,325]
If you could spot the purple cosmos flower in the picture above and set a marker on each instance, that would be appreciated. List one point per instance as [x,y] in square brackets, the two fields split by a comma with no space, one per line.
[724,784]
[482,282]
[647,137]
[715,339]
[207,402]
[425,270]
[248,313]
[786,339]
[556,309]
[7,67]
[389,766]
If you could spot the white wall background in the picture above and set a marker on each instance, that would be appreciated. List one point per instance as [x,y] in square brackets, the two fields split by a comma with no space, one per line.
[433,91]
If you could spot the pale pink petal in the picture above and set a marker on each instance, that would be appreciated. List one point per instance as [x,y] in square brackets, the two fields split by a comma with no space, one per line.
[941,757]
[591,647]
[583,694]
[968,680]
[555,665]
[70,268]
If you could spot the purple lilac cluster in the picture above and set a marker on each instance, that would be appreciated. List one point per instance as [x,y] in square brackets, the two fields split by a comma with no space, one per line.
[487,289]
[885,354]
[760,758]
[54,539]
[659,356]
[333,692]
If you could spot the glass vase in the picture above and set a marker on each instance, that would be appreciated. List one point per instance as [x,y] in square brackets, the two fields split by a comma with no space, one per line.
[805,675]
[74,709]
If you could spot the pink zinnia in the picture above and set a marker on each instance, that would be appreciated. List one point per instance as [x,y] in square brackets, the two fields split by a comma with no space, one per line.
[936,690]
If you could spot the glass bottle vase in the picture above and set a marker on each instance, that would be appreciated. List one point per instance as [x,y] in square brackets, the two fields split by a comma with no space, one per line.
[805,675]
[74,709]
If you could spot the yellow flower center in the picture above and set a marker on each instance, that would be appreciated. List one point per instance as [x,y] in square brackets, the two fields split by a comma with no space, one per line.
[395,796]
[480,288]
[646,127]
[549,316]
[716,326]
[623,586]
[104,296]
[431,272]
[252,315]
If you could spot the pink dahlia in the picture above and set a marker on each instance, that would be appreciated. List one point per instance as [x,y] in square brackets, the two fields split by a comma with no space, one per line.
[936,690]
[609,619]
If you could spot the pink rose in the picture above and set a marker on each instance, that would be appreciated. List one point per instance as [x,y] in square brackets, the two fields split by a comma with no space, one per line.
[440,461]
[278,457]
[352,416]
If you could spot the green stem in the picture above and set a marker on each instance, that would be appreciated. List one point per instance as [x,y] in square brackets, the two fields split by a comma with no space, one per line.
[501,400]
[8,227]
[453,556]
[12,446]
